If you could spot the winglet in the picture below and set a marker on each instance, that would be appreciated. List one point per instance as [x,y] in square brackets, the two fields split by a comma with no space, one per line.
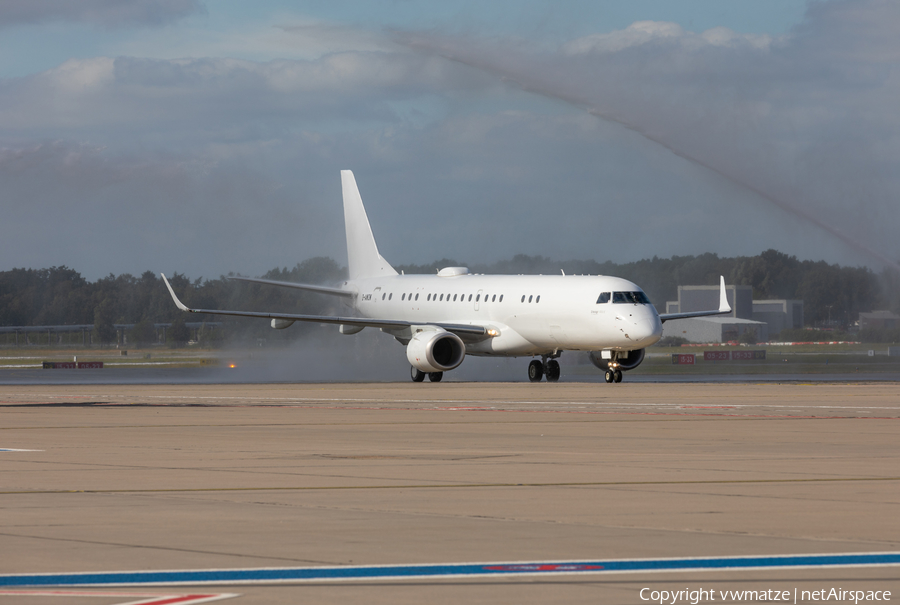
[724,307]
[178,303]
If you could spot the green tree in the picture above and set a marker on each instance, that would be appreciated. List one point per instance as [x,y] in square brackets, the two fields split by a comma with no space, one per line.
[178,333]
[104,330]
[143,333]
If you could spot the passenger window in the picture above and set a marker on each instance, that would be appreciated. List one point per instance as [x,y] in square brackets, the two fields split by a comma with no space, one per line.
[454,298]
[470,298]
[442,297]
[477,298]
[390,296]
[501,298]
[383,295]
[417,297]
[494,298]
[604,298]
[403,297]
[529,298]
[523,298]
[538,299]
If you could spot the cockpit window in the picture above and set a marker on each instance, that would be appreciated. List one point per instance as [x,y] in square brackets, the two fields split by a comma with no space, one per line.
[604,298]
[637,298]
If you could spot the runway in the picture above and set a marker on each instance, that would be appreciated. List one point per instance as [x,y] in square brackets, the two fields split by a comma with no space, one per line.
[128,478]
[251,375]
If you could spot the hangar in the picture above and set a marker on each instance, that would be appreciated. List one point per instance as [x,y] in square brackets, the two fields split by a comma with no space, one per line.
[762,318]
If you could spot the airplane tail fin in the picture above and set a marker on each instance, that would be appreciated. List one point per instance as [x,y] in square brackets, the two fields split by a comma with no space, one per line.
[363,258]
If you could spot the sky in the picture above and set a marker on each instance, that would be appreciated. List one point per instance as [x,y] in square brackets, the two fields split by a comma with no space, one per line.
[207,137]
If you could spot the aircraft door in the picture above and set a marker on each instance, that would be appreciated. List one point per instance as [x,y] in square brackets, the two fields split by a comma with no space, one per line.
[478,298]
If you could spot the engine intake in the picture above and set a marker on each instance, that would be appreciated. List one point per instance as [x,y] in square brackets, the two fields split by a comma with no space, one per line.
[627,360]
[435,351]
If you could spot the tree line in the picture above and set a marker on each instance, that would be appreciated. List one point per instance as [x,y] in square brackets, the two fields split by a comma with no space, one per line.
[833,295]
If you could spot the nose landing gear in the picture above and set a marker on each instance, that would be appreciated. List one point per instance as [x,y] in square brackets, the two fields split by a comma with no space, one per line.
[613,373]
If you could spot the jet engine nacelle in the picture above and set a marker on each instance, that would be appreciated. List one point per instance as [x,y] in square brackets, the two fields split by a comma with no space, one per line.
[435,351]
[627,360]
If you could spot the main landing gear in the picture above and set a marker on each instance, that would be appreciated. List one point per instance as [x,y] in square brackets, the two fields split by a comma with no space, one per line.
[537,369]
[613,375]
[418,375]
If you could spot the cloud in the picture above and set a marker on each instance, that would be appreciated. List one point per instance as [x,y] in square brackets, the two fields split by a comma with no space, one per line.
[642,33]
[207,165]
[107,13]
[212,94]
[101,212]
[807,122]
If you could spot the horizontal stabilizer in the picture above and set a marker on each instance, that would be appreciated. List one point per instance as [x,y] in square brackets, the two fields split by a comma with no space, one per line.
[289,284]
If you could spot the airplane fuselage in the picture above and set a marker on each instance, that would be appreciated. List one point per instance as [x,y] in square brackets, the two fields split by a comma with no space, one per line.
[442,318]
[531,314]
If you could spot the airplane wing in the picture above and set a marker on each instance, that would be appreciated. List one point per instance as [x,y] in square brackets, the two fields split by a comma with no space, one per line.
[289,284]
[724,307]
[461,329]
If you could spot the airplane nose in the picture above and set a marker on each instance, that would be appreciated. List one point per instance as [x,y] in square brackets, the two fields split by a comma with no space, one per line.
[645,332]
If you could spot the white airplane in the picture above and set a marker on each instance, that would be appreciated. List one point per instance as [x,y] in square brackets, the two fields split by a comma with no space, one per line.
[442,318]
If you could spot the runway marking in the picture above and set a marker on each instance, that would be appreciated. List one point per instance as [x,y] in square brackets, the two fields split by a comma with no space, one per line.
[269,575]
[447,401]
[451,486]
[145,598]
[615,410]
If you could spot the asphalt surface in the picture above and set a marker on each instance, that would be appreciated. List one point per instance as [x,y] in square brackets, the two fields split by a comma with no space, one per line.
[196,477]
[252,374]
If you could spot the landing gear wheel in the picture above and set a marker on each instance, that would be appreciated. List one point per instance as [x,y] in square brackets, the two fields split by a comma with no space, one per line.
[618,376]
[416,374]
[535,371]
[609,376]
[552,370]
[435,376]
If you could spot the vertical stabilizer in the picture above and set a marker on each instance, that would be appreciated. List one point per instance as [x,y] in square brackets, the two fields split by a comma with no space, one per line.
[363,259]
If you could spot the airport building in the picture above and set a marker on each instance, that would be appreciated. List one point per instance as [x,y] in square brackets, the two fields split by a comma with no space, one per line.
[761,317]
[779,314]
[881,320]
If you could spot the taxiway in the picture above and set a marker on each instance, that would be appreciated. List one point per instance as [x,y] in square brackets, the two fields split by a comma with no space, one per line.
[105,478]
